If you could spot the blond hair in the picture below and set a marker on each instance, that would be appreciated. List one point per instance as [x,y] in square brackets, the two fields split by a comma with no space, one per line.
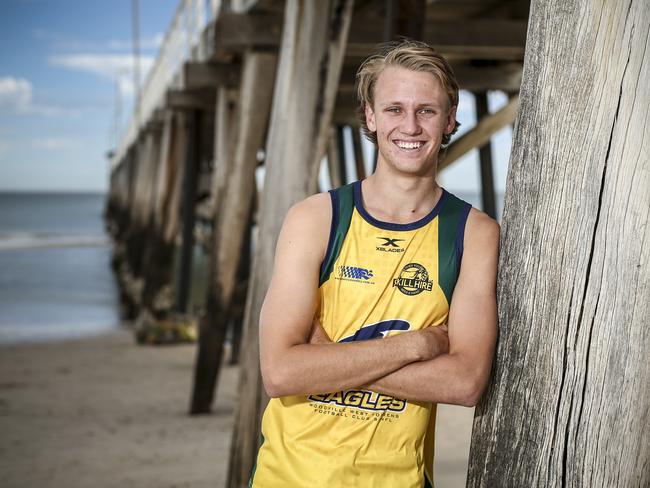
[413,55]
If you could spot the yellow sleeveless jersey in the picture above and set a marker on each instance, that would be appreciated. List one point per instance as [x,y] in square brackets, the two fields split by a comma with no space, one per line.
[377,279]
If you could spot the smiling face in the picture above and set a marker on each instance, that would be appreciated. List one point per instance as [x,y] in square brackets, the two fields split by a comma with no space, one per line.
[410,114]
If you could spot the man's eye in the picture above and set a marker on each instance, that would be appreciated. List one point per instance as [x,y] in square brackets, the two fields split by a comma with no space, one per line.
[427,111]
[393,109]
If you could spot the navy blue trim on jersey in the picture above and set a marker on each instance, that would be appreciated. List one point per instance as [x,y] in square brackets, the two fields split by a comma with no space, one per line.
[358,204]
[335,224]
[460,236]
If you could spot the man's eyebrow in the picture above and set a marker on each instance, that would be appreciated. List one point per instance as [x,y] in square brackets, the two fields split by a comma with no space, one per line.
[432,104]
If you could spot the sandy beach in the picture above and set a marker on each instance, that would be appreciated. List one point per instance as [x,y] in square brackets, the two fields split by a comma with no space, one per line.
[104,412]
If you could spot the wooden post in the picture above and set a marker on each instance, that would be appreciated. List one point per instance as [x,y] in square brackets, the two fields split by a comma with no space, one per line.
[165,168]
[404,18]
[340,138]
[359,162]
[230,223]
[311,57]
[569,403]
[334,160]
[240,292]
[159,254]
[485,160]
[225,122]
[192,158]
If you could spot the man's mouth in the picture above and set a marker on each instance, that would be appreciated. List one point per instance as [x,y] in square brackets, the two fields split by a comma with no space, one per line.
[409,145]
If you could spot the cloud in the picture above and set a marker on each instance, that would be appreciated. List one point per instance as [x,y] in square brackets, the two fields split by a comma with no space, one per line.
[63,42]
[16,95]
[147,43]
[114,68]
[57,143]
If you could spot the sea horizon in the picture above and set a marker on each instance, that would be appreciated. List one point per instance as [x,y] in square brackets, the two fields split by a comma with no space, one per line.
[56,281]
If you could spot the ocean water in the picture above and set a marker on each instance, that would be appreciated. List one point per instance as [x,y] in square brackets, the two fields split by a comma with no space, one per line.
[55,277]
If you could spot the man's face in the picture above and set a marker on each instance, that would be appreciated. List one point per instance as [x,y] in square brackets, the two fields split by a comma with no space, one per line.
[410,114]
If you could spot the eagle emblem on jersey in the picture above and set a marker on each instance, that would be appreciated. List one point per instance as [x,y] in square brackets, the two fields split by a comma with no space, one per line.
[377,331]
[413,279]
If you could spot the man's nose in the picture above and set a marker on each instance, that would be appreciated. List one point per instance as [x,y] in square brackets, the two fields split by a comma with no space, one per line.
[410,124]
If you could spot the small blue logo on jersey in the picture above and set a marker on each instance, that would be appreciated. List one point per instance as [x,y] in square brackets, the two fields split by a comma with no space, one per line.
[354,273]
[377,331]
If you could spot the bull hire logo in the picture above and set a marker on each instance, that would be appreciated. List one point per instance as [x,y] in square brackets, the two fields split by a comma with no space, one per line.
[389,245]
[354,273]
[413,279]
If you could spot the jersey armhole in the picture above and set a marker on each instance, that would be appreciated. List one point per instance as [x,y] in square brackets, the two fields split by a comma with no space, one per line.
[460,236]
[451,234]
[342,207]
[330,241]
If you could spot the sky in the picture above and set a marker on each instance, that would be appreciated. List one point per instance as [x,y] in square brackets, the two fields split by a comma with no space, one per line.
[66,92]
[65,65]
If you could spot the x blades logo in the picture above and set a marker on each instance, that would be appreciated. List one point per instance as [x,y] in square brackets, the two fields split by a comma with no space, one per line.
[389,245]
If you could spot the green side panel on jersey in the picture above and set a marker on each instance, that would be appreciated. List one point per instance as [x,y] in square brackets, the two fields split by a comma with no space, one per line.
[451,215]
[427,483]
[250,480]
[341,217]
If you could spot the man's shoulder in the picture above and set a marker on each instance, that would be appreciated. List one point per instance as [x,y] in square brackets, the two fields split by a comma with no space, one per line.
[308,222]
[481,230]
[315,209]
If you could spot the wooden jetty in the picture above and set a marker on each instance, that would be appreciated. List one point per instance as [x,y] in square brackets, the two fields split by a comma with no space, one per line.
[244,88]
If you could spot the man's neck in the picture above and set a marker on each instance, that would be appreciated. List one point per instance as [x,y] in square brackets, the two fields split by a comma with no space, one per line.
[399,198]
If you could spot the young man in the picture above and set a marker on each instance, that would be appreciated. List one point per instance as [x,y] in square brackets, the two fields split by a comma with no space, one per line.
[394,258]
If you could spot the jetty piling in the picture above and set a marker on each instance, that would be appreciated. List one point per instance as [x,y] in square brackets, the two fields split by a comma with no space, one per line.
[569,404]
[488,195]
[231,218]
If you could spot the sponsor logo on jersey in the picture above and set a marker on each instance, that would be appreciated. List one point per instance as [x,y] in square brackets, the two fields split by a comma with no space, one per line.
[354,273]
[413,280]
[389,245]
[364,400]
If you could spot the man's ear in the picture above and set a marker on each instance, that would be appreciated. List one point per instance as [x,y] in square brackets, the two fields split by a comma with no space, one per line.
[451,120]
[370,118]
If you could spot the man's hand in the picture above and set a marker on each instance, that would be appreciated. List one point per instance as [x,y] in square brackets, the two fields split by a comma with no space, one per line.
[438,339]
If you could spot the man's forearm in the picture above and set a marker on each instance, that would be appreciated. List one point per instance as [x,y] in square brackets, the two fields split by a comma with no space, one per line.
[327,367]
[445,379]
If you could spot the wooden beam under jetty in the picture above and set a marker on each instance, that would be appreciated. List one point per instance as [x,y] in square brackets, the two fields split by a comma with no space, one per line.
[481,133]
[482,38]
[198,75]
[186,100]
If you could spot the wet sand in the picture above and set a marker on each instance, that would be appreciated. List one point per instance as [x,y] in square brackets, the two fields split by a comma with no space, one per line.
[104,412]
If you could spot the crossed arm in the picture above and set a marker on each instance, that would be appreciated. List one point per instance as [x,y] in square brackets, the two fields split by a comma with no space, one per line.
[425,365]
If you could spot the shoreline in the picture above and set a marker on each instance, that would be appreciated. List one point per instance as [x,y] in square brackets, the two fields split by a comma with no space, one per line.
[27,241]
